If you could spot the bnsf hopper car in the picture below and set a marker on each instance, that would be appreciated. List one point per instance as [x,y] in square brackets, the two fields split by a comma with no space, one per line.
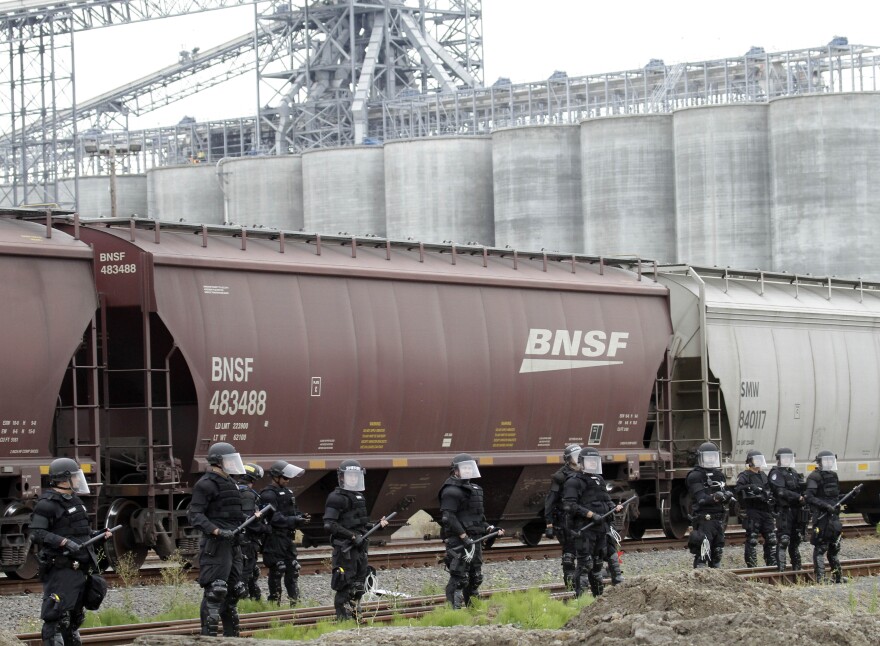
[47,302]
[402,355]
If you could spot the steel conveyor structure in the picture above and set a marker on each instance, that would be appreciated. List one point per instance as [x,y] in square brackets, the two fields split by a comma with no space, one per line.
[317,67]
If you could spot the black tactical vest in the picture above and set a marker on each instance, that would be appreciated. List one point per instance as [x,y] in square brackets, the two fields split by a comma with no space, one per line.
[699,479]
[225,507]
[470,512]
[249,499]
[69,517]
[355,518]
[755,500]
[829,485]
[593,494]
[785,478]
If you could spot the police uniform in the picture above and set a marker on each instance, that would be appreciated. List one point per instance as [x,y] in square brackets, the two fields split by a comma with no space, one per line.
[787,485]
[279,550]
[584,493]
[250,541]
[64,575]
[217,504]
[346,518]
[554,514]
[755,496]
[822,494]
[709,498]
[461,508]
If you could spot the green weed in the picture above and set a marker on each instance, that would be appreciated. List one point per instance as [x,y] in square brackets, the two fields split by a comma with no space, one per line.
[110,617]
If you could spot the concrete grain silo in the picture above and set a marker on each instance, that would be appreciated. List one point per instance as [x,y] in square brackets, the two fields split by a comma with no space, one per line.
[825,165]
[628,186]
[344,190]
[94,195]
[263,191]
[439,189]
[537,188]
[722,186]
[190,193]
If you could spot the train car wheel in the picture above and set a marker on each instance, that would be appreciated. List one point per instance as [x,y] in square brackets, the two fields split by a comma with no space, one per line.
[636,530]
[673,517]
[30,568]
[531,534]
[871,519]
[123,543]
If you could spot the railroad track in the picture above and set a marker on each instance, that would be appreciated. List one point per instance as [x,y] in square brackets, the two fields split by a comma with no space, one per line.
[418,554]
[385,610]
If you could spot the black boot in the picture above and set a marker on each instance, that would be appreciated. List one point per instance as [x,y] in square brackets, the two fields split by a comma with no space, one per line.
[230,620]
[819,567]
[210,616]
[614,571]
[751,554]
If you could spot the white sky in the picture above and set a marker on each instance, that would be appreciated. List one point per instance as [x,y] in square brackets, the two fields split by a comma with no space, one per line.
[524,40]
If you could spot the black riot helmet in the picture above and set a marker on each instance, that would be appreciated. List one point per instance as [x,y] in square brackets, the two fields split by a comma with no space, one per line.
[571,453]
[755,459]
[590,461]
[282,469]
[351,475]
[252,472]
[785,457]
[67,470]
[466,466]
[708,456]
[224,456]
[826,461]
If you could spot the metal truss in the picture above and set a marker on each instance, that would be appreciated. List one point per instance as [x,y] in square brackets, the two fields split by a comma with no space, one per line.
[333,59]
[90,14]
[755,77]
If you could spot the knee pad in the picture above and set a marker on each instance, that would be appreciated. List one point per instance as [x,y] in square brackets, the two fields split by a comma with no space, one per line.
[477,578]
[568,560]
[771,540]
[239,591]
[459,582]
[821,548]
[296,567]
[587,564]
[784,540]
[217,591]
[280,567]
[753,539]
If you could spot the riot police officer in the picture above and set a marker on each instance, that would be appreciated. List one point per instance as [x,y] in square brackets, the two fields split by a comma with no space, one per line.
[60,526]
[555,516]
[251,539]
[216,509]
[823,491]
[585,499]
[709,498]
[463,519]
[787,485]
[346,519]
[756,499]
[279,550]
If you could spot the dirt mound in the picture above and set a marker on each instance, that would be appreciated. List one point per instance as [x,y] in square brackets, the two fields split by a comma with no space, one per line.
[705,606]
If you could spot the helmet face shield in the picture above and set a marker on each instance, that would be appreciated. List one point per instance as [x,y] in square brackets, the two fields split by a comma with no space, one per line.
[291,471]
[468,470]
[710,459]
[591,463]
[353,479]
[786,460]
[573,455]
[758,461]
[78,482]
[828,463]
[232,464]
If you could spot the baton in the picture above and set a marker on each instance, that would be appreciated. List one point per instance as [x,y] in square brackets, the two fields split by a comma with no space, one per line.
[241,527]
[476,540]
[377,526]
[95,539]
[606,515]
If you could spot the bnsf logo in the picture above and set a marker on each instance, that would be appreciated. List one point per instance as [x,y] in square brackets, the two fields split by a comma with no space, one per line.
[561,344]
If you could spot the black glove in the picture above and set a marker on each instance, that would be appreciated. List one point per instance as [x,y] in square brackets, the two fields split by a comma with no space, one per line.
[72,546]
[358,540]
[831,509]
[718,496]
[225,534]
[549,532]
[468,541]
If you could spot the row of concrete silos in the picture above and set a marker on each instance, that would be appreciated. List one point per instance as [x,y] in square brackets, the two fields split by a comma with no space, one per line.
[788,185]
